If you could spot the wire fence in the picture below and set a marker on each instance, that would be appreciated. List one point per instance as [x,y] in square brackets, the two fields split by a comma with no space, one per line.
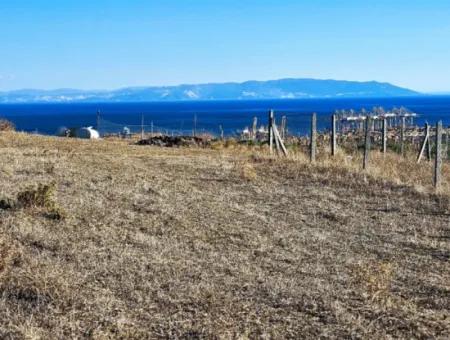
[296,122]
[108,127]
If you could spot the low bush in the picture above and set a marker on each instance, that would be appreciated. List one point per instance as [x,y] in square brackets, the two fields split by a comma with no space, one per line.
[6,125]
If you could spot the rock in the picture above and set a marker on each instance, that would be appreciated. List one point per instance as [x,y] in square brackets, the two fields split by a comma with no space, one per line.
[175,141]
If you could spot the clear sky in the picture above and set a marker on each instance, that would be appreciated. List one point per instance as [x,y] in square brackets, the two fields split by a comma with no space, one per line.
[105,44]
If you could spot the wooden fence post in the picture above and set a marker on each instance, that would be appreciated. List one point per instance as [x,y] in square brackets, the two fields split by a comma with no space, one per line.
[438,160]
[367,144]
[333,135]
[279,142]
[142,126]
[271,131]
[254,127]
[402,136]
[384,148]
[275,137]
[221,132]
[446,154]
[425,144]
[194,127]
[427,126]
[283,127]
[313,143]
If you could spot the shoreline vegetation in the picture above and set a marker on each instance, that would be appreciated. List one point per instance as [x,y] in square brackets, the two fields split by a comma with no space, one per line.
[110,239]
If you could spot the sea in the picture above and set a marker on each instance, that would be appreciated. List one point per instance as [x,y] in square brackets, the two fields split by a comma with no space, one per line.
[181,118]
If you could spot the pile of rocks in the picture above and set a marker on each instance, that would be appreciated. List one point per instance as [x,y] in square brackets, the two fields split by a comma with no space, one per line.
[174,141]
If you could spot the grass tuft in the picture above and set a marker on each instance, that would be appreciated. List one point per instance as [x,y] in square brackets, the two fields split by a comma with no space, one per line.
[42,196]
[376,278]
[245,170]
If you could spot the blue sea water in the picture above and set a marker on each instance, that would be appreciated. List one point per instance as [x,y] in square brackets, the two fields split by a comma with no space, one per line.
[179,117]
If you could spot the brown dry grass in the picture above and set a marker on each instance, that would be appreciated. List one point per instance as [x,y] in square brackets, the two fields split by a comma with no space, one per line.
[224,243]
[6,125]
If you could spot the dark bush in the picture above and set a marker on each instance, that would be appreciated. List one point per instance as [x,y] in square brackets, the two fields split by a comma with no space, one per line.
[6,125]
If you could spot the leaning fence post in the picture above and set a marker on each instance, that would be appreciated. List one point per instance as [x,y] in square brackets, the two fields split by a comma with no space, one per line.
[313,143]
[333,135]
[438,160]
[425,144]
[384,135]
[367,144]
[270,135]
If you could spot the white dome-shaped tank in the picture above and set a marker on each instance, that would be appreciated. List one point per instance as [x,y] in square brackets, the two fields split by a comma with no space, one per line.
[87,133]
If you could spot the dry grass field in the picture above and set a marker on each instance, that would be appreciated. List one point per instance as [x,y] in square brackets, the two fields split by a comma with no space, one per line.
[103,239]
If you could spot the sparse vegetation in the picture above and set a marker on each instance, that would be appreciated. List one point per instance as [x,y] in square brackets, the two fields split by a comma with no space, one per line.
[6,125]
[37,196]
[246,170]
[218,243]
[40,197]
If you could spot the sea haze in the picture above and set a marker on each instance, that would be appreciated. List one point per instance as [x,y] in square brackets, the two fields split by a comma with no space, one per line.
[178,117]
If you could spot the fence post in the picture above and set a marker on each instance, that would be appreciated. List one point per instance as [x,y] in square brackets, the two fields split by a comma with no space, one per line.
[221,132]
[333,135]
[142,126]
[279,142]
[283,127]
[367,144]
[438,160]
[425,144]
[254,127]
[402,136]
[270,135]
[313,143]
[446,154]
[194,130]
[427,127]
[384,149]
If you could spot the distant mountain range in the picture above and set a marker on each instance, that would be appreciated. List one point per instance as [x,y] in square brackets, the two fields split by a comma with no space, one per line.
[272,89]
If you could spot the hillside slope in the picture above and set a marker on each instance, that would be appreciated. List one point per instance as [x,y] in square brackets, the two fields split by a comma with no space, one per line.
[196,243]
[271,89]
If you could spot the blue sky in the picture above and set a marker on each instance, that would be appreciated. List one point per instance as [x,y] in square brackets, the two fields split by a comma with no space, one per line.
[105,44]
